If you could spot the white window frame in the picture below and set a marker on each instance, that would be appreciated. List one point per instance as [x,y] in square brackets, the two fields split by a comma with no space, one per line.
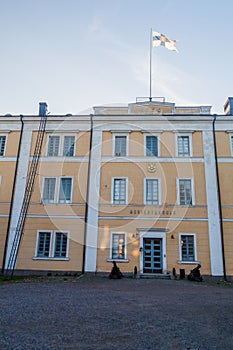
[6,136]
[231,146]
[126,189]
[47,145]
[189,135]
[61,144]
[42,192]
[37,244]
[54,245]
[111,246]
[195,249]
[159,190]
[158,144]
[178,191]
[114,143]
[57,190]
[71,190]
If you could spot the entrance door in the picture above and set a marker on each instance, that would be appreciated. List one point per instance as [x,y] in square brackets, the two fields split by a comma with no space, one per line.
[152,255]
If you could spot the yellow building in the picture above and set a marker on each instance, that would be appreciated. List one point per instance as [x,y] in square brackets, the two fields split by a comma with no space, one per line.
[142,185]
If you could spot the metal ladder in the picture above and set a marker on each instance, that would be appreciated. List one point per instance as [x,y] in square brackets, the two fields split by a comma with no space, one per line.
[27,197]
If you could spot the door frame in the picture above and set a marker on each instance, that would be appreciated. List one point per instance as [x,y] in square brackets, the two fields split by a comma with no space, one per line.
[154,234]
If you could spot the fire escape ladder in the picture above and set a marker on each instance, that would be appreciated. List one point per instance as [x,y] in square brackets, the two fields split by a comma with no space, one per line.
[27,196]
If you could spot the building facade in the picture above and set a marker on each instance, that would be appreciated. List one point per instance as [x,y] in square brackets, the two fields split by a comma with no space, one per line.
[147,185]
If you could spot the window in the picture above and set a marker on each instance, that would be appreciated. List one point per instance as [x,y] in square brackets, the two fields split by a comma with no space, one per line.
[53,146]
[119,191]
[183,146]
[232,145]
[60,246]
[57,190]
[65,190]
[185,192]
[68,146]
[152,146]
[152,192]
[187,247]
[52,245]
[49,190]
[43,244]
[61,146]
[118,246]
[2,145]
[120,146]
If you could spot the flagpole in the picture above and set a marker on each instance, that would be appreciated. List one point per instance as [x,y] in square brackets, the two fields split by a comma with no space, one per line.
[150,98]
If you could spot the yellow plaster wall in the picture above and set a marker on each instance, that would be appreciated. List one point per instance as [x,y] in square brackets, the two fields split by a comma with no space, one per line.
[58,169]
[12,144]
[81,147]
[228,244]
[7,171]
[167,144]
[83,143]
[226,183]
[136,144]
[107,144]
[223,144]
[167,172]
[200,228]
[197,144]
[75,227]
[3,229]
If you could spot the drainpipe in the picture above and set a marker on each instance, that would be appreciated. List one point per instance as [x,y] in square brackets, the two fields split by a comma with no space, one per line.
[87,196]
[219,200]
[12,195]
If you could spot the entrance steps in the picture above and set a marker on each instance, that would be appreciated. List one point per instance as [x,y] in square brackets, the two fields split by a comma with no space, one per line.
[161,276]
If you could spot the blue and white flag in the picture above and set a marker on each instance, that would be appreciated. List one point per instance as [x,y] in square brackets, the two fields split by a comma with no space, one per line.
[160,39]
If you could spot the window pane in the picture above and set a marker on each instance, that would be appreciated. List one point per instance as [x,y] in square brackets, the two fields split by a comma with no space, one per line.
[152,194]
[187,248]
[120,146]
[118,246]
[183,146]
[60,245]
[49,190]
[185,192]
[43,245]
[151,146]
[68,149]
[2,145]
[65,190]
[119,191]
[53,146]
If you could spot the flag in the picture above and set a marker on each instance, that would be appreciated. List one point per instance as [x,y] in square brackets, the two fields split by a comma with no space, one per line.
[160,39]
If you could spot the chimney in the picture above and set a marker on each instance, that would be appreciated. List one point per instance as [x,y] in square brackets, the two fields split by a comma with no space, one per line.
[228,106]
[42,108]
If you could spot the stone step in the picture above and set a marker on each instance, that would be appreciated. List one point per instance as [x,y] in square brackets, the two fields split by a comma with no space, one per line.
[155,276]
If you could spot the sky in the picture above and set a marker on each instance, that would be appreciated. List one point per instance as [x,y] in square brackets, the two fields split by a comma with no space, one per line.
[76,54]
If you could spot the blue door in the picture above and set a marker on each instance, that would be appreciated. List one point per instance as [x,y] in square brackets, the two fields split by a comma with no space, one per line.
[152,255]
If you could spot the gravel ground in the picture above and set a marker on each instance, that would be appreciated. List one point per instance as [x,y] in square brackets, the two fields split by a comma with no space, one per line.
[98,313]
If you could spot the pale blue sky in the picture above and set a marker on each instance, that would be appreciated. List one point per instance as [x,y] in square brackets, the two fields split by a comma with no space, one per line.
[75,54]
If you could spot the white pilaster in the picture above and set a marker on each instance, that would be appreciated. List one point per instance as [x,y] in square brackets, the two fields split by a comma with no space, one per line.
[93,200]
[212,204]
[20,185]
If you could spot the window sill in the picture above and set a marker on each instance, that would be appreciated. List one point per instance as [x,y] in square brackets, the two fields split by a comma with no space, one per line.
[55,203]
[50,258]
[188,262]
[117,260]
